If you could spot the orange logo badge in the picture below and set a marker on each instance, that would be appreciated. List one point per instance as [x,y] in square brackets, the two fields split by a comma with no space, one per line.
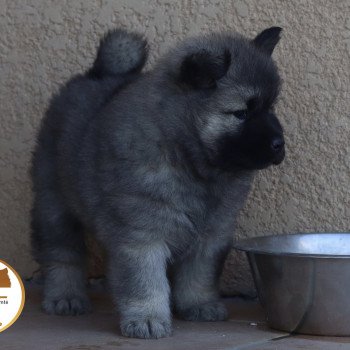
[12,295]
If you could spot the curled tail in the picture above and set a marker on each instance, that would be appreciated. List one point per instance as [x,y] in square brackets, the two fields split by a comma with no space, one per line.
[120,52]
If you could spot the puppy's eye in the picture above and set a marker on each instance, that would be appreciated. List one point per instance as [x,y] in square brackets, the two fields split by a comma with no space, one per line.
[240,114]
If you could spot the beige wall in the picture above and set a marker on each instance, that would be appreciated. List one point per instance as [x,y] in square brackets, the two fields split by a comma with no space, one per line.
[43,42]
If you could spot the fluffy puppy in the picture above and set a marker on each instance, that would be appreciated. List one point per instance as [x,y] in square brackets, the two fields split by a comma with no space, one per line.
[157,164]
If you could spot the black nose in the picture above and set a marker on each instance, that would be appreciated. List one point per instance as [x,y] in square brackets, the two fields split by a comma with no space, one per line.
[277,144]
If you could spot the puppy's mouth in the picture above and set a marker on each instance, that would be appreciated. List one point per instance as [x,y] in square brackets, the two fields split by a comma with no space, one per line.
[279,157]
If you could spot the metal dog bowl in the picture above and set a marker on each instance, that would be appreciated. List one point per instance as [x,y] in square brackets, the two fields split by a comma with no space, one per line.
[303,281]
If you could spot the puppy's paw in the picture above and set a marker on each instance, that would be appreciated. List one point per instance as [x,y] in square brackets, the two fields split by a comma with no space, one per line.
[212,311]
[66,306]
[146,328]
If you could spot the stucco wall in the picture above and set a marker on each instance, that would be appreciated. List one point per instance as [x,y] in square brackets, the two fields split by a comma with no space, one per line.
[43,42]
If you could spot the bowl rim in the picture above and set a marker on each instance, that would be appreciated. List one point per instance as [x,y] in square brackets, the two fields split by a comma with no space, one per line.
[243,245]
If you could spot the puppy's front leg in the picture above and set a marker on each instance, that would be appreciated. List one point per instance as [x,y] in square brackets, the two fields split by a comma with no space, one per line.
[195,283]
[140,288]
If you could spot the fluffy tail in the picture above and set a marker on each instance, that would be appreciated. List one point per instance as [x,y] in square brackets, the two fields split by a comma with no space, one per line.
[120,52]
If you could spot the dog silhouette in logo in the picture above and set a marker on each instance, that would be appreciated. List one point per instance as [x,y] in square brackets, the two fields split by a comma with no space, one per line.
[5,281]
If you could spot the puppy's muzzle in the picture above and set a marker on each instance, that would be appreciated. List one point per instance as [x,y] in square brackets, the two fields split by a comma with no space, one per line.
[277,147]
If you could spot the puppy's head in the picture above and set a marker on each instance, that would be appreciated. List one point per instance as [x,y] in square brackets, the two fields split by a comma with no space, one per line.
[231,84]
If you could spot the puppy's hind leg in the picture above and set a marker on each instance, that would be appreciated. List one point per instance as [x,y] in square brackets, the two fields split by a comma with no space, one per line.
[58,245]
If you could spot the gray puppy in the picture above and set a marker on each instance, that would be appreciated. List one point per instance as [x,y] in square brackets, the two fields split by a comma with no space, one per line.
[158,165]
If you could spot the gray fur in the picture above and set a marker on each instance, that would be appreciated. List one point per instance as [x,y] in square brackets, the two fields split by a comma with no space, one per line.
[132,157]
[109,61]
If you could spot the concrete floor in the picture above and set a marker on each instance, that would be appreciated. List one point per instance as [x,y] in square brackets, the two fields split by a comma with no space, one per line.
[245,329]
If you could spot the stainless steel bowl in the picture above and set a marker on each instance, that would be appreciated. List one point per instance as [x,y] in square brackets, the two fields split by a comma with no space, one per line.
[303,281]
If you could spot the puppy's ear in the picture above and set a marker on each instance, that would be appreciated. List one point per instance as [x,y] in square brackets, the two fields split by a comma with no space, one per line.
[201,70]
[268,39]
